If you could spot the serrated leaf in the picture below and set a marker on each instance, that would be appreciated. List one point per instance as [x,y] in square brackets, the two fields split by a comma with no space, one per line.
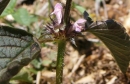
[17,49]
[3,4]
[114,36]
[23,17]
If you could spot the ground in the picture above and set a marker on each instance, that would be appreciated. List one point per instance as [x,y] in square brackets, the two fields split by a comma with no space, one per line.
[89,63]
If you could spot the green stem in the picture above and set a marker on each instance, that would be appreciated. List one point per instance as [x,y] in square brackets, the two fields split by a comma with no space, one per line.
[60,61]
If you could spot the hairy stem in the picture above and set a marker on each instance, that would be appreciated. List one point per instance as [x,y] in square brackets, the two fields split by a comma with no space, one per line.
[61,46]
[60,61]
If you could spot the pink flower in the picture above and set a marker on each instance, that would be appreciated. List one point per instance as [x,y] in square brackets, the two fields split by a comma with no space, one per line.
[58,11]
[79,25]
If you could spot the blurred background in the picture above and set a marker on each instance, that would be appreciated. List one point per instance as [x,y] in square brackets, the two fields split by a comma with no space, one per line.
[88,63]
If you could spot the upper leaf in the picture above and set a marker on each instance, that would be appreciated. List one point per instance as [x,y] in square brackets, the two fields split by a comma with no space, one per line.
[17,49]
[113,35]
[3,4]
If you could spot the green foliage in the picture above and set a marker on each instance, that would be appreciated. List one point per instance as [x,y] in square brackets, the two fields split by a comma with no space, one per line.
[47,62]
[24,76]
[17,49]
[37,63]
[20,15]
[10,8]
[3,4]
[113,35]
[23,17]
[79,8]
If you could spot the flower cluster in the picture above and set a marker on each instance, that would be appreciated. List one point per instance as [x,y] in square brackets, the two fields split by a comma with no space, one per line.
[57,27]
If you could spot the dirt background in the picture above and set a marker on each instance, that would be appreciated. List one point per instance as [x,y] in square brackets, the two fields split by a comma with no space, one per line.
[91,62]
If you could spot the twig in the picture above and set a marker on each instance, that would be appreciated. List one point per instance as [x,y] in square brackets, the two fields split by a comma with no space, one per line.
[38,77]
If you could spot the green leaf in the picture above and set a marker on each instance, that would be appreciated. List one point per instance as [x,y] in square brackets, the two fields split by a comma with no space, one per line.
[47,62]
[3,4]
[37,64]
[113,35]
[17,49]
[10,8]
[23,76]
[23,17]
[79,8]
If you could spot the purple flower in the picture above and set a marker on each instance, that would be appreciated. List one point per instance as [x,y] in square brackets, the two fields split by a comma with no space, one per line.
[79,25]
[58,11]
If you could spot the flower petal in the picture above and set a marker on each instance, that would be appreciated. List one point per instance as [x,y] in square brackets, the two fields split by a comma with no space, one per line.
[79,25]
[58,11]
